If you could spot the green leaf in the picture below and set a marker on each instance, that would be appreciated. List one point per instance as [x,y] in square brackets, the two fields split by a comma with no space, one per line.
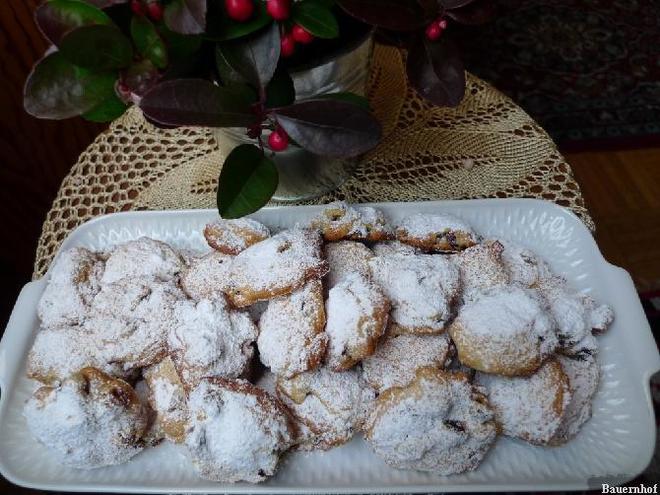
[330,127]
[55,18]
[247,182]
[316,18]
[223,28]
[280,91]
[186,16]
[148,42]
[106,111]
[253,59]
[97,48]
[353,98]
[57,89]
[198,102]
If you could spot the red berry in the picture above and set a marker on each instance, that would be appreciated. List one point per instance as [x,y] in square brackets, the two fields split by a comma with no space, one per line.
[287,45]
[239,10]
[278,140]
[155,10]
[433,31]
[279,9]
[301,35]
[138,7]
[442,23]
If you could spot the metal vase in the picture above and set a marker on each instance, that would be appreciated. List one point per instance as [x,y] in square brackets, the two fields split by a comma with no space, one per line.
[304,175]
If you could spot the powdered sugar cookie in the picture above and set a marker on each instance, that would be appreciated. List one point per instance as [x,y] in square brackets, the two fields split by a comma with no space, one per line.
[393,247]
[421,288]
[167,398]
[577,315]
[439,423]
[583,379]
[58,352]
[398,358]
[131,318]
[524,267]
[237,431]
[276,267]
[346,258]
[481,268]
[357,317]
[209,340]
[207,277]
[143,257]
[234,236]
[291,337]
[340,221]
[73,283]
[505,331]
[440,233]
[333,405]
[90,420]
[531,408]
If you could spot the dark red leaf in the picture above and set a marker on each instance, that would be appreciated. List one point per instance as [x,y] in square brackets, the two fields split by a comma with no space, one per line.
[254,59]
[186,16]
[198,102]
[330,127]
[477,12]
[454,4]
[57,17]
[397,15]
[436,71]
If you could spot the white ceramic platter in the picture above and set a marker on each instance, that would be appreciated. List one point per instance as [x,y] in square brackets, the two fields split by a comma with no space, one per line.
[613,447]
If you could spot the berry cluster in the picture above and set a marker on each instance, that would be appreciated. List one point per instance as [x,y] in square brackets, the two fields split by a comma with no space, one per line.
[279,10]
[152,8]
[436,28]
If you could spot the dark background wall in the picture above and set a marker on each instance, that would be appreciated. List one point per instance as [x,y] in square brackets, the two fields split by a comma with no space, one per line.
[35,155]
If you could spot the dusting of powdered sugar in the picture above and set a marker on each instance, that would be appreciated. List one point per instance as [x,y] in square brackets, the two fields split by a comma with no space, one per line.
[234,236]
[334,405]
[346,258]
[398,358]
[74,281]
[276,266]
[59,352]
[525,268]
[207,277]
[575,314]
[505,328]
[291,337]
[357,317]
[237,433]
[393,247]
[82,430]
[583,378]
[422,289]
[143,257]
[481,268]
[207,339]
[530,408]
[437,423]
[131,319]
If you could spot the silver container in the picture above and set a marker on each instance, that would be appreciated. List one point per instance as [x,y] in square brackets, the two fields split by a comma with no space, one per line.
[304,175]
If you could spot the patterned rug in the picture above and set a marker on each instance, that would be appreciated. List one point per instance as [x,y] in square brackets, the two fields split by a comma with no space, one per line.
[587,70]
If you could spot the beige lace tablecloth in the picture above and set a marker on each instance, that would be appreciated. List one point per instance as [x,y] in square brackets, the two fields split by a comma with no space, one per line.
[486,148]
